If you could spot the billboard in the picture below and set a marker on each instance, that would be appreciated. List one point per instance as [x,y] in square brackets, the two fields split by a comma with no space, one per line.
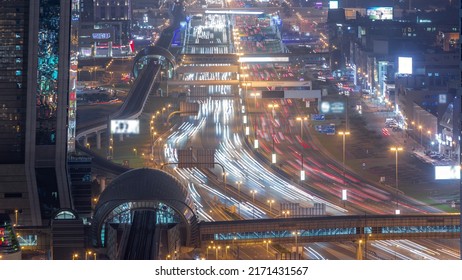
[336,107]
[333,4]
[448,172]
[125,127]
[405,65]
[380,13]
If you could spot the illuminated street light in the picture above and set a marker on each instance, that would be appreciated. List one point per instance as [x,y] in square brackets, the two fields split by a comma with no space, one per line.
[267,242]
[16,216]
[253,192]
[226,248]
[396,150]
[238,183]
[272,106]
[255,95]
[285,213]
[270,202]
[296,234]
[344,191]
[420,128]
[301,119]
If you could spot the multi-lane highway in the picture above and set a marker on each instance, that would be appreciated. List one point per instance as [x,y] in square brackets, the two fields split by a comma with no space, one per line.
[249,186]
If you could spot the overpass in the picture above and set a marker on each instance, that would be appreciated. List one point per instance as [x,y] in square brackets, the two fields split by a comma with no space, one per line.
[331,229]
[213,69]
[202,82]
[131,108]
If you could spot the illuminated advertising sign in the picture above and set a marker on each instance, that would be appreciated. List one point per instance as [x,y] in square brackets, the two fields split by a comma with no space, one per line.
[333,4]
[101,36]
[405,65]
[336,107]
[125,126]
[451,172]
[380,13]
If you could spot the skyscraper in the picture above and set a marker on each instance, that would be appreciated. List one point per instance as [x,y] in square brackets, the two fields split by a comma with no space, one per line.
[34,100]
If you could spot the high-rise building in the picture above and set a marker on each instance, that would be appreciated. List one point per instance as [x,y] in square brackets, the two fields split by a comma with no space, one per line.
[34,100]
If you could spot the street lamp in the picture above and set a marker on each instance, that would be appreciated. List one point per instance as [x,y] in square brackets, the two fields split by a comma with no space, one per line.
[253,192]
[209,247]
[16,217]
[246,85]
[420,128]
[135,152]
[429,135]
[239,196]
[296,234]
[270,202]
[87,253]
[302,171]
[254,95]
[75,256]
[396,150]
[216,251]
[285,213]
[267,242]
[272,106]
[301,119]
[344,134]
[226,248]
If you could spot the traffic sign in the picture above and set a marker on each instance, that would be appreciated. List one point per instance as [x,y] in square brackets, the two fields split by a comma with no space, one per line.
[318,117]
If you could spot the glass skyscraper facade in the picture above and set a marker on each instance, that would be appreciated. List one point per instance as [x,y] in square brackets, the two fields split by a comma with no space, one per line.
[34,102]
[14,26]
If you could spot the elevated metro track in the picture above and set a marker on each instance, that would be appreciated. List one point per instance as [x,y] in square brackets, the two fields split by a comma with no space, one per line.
[202,82]
[332,229]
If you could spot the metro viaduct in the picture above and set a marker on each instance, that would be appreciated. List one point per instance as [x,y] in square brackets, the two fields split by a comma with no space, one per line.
[332,229]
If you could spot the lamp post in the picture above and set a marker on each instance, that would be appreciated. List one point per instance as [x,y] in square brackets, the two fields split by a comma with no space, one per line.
[267,243]
[429,135]
[270,202]
[246,85]
[254,95]
[396,150]
[420,128]
[239,196]
[272,106]
[296,234]
[226,191]
[208,247]
[344,134]
[75,256]
[226,248]
[302,171]
[285,213]
[301,119]
[216,251]
[253,192]
[16,217]
[273,154]
[135,152]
